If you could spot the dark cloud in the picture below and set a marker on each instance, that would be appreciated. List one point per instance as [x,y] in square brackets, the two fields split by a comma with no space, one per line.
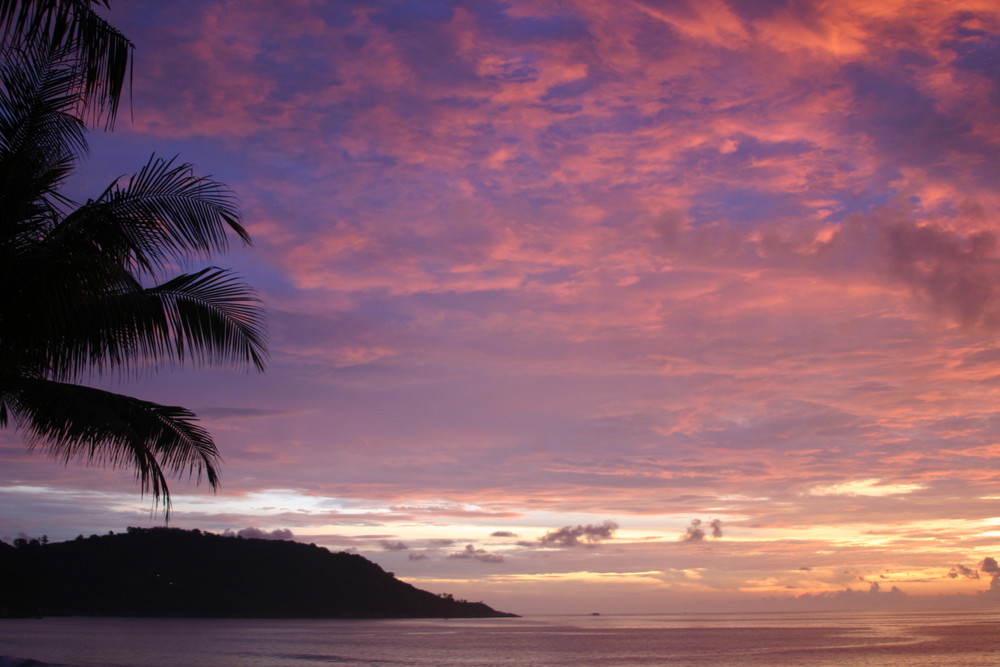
[502,533]
[571,536]
[952,269]
[758,9]
[417,556]
[514,70]
[696,533]
[979,52]
[963,571]
[251,533]
[989,566]
[402,16]
[472,552]
[495,21]
[571,89]
[902,119]
[957,274]
[850,598]
[393,546]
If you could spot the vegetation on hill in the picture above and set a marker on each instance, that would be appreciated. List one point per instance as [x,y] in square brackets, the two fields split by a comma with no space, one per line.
[174,572]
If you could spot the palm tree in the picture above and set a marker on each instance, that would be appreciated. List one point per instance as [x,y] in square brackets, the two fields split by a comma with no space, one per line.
[85,288]
[101,52]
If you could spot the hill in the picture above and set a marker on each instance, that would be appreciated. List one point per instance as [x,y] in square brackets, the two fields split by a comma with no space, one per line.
[189,573]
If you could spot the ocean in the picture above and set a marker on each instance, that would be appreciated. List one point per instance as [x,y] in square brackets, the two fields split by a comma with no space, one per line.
[903,639]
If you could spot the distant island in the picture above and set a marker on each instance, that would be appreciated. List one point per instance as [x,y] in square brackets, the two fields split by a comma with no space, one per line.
[189,573]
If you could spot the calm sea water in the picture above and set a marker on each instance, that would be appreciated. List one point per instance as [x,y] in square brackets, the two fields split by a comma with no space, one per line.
[906,639]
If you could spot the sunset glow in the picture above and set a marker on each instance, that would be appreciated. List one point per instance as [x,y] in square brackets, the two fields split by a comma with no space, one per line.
[646,305]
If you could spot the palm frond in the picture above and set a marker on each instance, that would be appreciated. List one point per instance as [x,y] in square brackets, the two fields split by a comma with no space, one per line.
[39,93]
[212,314]
[159,214]
[76,321]
[73,422]
[103,54]
[63,312]
[40,140]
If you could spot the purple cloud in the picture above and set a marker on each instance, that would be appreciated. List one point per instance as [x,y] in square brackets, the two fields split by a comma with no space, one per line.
[573,536]
[471,552]
[393,546]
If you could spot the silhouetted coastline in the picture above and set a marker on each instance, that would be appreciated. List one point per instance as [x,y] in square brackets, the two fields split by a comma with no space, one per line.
[169,572]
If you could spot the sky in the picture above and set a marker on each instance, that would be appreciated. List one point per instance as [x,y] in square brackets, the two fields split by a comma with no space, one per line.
[575,306]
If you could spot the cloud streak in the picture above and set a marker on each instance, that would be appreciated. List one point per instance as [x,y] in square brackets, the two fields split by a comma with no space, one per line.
[575,536]
[473,553]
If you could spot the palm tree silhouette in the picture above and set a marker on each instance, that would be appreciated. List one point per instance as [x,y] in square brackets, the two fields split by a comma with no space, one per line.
[101,53]
[86,291]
